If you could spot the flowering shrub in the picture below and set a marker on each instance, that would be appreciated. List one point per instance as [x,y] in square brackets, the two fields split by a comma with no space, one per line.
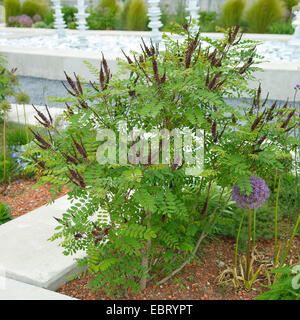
[21,21]
[36,18]
[137,221]
[24,20]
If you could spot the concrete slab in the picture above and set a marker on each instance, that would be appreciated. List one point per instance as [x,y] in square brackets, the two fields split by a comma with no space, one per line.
[16,113]
[51,64]
[15,290]
[27,256]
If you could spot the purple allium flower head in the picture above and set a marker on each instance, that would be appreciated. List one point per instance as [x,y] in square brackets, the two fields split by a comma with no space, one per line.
[25,20]
[297,86]
[260,193]
[12,19]
[36,18]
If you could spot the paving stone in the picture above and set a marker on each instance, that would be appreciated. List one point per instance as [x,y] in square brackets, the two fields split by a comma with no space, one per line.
[27,256]
[15,290]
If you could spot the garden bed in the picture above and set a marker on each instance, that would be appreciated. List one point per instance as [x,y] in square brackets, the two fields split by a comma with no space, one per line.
[197,281]
[23,197]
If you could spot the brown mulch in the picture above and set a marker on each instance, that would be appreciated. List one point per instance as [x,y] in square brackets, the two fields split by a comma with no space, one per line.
[23,197]
[197,281]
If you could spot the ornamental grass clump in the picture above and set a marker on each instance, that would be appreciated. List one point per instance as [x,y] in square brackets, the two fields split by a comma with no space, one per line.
[12,9]
[23,99]
[232,12]
[8,89]
[5,107]
[263,13]
[136,16]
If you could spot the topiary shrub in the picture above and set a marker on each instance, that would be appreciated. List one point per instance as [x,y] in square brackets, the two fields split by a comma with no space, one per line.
[105,16]
[12,8]
[101,19]
[263,13]
[110,4]
[69,15]
[40,25]
[232,12]
[33,7]
[136,16]
[209,21]
[49,18]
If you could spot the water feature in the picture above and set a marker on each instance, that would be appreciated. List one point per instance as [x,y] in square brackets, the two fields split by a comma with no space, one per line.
[59,23]
[193,9]
[108,43]
[154,14]
[295,42]
[82,26]
[53,55]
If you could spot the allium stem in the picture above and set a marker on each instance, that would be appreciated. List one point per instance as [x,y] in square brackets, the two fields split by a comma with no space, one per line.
[26,128]
[18,114]
[288,248]
[290,242]
[145,258]
[254,228]
[249,246]
[199,242]
[276,223]
[238,238]
[4,149]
